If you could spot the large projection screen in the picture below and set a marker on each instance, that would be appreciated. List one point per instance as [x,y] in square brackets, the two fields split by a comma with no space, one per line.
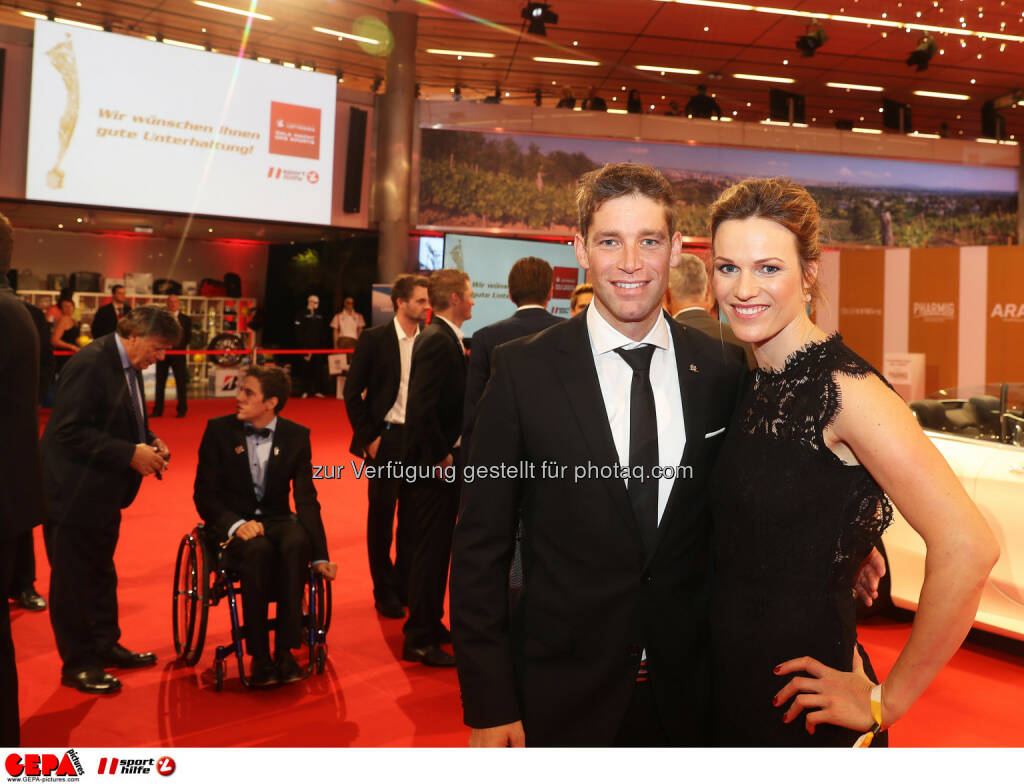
[488,260]
[125,122]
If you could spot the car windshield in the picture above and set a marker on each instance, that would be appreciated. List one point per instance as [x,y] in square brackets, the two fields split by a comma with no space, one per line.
[989,412]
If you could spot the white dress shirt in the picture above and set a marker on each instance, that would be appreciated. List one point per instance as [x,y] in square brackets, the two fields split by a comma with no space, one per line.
[396,414]
[616,377]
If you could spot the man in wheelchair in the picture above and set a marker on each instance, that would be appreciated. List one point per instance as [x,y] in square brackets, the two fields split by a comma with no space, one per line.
[247,461]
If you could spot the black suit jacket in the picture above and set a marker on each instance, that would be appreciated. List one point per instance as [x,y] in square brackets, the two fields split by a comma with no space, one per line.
[519,324]
[90,438]
[223,491]
[437,389]
[565,658]
[186,331]
[21,500]
[105,320]
[376,369]
[720,331]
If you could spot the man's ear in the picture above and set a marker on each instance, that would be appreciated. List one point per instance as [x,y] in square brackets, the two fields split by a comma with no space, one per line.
[579,244]
[273,401]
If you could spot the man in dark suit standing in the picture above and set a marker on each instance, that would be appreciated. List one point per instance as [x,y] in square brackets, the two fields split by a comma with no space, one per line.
[176,362]
[376,393]
[686,300]
[249,463]
[620,413]
[96,448]
[311,332]
[433,429]
[21,502]
[530,284]
[107,316]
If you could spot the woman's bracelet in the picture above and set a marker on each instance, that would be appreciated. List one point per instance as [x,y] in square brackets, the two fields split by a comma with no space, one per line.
[876,716]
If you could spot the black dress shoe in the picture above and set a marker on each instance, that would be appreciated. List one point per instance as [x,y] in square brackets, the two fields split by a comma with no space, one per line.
[124,659]
[91,680]
[288,670]
[156,414]
[262,673]
[30,600]
[431,655]
[390,608]
[180,415]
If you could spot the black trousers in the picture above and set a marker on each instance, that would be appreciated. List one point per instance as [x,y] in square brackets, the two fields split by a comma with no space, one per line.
[273,567]
[642,727]
[434,506]
[24,575]
[83,590]
[311,373]
[390,579]
[10,725]
[179,365]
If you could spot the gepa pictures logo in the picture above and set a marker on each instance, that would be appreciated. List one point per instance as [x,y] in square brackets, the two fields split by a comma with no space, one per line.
[40,767]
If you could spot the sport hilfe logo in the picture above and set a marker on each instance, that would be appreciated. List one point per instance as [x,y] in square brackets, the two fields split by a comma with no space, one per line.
[164,766]
[50,766]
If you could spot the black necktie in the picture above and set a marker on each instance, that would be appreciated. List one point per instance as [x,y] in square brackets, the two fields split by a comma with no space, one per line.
[140,422]
[643,442]
[259,432]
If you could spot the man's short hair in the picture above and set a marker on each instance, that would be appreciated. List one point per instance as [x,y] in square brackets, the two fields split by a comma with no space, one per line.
[688,281]
[403,286]
[150,321]
[622,179]
[443,283]
[583,288]
[273,382]
[113,289]
[6,244]
[529,281]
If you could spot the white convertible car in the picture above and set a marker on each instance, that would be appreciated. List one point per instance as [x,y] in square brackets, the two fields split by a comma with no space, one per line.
[980,431]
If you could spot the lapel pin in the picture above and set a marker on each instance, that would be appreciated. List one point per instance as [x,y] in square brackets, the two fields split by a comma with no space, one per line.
[239,450]
[277,451]
[693,369]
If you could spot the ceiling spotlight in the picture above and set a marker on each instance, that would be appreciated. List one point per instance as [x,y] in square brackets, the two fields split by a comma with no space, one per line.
[536,97]
[457,93]
[377,82]
[923,52]
[496,98]
[812,40]
[539,15]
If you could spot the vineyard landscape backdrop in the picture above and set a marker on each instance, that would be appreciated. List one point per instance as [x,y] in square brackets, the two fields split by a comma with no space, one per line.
[525,183]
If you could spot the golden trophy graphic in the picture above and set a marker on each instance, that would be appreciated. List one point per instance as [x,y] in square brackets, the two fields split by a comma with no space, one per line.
[62,56]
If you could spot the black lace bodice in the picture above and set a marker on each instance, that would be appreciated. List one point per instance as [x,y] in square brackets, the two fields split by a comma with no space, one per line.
[792,524]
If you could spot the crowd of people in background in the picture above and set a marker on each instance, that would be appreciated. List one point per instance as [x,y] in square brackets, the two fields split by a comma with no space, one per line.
[700,105]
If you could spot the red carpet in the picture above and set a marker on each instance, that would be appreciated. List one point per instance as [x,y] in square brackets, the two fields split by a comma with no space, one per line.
[367,696]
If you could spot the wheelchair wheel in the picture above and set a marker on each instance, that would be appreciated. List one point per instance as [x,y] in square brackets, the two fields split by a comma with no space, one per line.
[191,606]
[186,596]
[322,611]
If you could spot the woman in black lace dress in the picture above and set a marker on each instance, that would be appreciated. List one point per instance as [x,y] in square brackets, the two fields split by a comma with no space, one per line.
[800,499]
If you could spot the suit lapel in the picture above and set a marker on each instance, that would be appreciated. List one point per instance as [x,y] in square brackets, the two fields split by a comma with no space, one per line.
[240,450]
[274,459]
[578,375]
[125,391]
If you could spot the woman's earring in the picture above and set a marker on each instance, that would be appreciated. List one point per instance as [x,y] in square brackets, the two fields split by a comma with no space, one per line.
[807,297]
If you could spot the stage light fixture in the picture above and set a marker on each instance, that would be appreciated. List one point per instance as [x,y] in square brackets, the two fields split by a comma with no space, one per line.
[539,15]
[923,52]
[812,39]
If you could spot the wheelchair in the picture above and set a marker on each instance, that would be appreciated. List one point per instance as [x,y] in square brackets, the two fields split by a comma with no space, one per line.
[201,581]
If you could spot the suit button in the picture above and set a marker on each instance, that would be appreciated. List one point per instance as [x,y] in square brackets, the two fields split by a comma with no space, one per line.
[648,578]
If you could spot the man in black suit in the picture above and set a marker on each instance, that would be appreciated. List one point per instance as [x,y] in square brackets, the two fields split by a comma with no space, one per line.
[96,448]
[176,362]
[376,393]
[620,413]
[21,502]
[686,299]
[248,464]
[107,316]
[311,332]
[22,587]
[433,429]
[530,284]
